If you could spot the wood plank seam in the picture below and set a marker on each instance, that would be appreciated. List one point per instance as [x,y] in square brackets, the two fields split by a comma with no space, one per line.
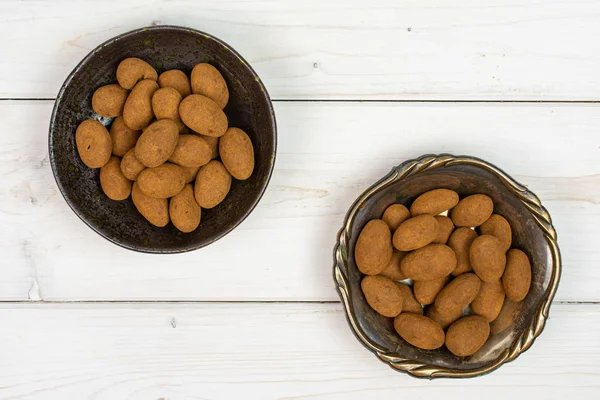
[9,302]
[341,100]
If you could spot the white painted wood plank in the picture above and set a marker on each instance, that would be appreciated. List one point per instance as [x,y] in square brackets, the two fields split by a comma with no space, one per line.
[258,351]
[328,154]
[342,49]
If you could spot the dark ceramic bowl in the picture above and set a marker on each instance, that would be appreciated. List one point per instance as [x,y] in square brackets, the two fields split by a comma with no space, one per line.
[518,324]
[165,47]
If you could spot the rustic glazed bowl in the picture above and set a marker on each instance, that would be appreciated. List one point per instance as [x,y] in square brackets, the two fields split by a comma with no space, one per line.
[165,47]
[515,330]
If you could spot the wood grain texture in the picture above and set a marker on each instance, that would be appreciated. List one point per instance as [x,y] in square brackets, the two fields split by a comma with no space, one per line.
[263,351]
[381,49]
[328,154]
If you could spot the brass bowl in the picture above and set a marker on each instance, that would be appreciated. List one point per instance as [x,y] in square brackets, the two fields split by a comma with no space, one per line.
[515,330]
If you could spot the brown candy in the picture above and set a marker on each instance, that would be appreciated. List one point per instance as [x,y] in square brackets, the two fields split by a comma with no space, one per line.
[394,215]
[427,291]
[467,335]
[472,211]
[184,211]
[409,304]
[444,319]
[165,105]
[93,143]
[190,173]
[213,142]
[433,261]
[202,115]
[123,138]
[208,81]
[489,300]
[109,100]
[114,184]
[161,182]
[434,202]
[130,166]
[420,331]
[137,112]
[415,233]
[191,151]
[498,226]
[508,316]
[133,70]
[373,250]
[382,294]
[156,211]
[460,241]
[212,184]
[157,143]
[458,294]
[176,79]
[237,153]
[487,258]
[430,248]
[445,229]
[517,275]
[393,270]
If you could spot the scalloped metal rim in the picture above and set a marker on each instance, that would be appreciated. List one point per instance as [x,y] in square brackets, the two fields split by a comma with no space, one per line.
[531,332]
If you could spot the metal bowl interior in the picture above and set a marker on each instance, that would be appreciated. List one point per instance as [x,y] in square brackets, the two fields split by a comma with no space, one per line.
[518,325]
[164,47]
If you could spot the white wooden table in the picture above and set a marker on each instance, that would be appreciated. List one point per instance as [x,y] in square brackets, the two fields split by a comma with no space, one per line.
[358,87]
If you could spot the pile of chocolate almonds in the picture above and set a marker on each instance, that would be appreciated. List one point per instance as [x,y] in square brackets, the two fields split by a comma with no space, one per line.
[443,278]
[170,146]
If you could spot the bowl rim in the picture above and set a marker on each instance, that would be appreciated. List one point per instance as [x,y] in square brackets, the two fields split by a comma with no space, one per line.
[416,368]
[76,69]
